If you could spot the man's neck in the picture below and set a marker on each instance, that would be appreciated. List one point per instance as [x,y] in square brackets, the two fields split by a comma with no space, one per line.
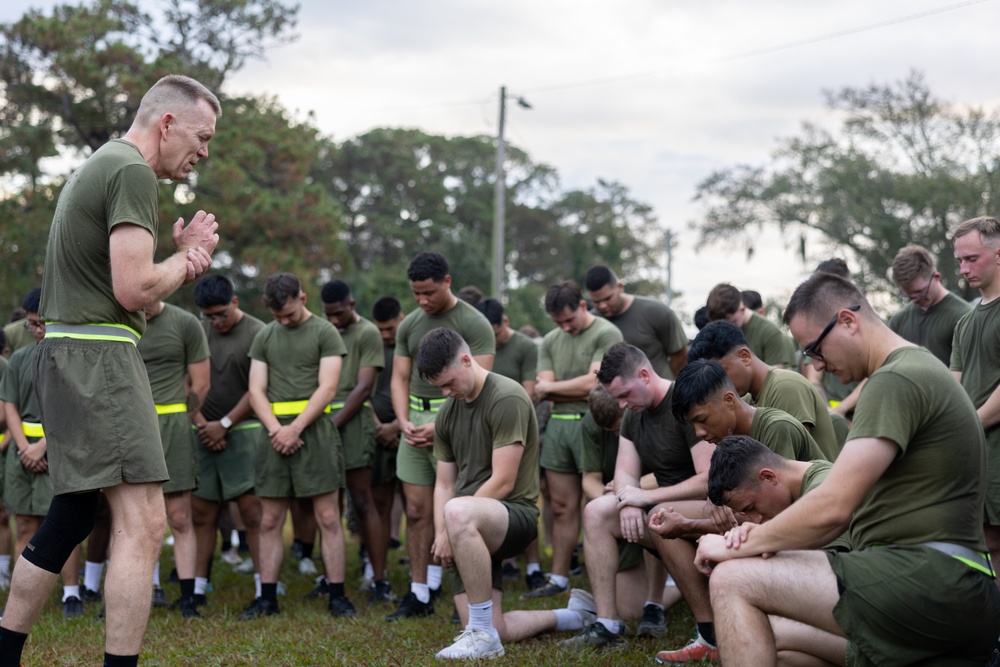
[791,476]
[990,292]
[627,300]
[660,390]
[758,375]
[744,417]
[504,335]
[477,387]
[938,293]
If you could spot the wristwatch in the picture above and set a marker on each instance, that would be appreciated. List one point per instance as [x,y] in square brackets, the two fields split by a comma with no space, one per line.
[226,422]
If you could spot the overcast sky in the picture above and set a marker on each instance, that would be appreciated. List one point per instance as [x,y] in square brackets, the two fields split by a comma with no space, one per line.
[644,92]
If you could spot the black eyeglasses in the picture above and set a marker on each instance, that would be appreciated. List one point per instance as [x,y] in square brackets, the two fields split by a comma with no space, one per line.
[907,298]
[218,317]
[812,350]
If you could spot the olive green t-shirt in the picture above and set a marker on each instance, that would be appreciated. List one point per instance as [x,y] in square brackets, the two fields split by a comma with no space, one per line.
[517,359]
[933,328]
[17,335]
[466,433]
[599,450]
[934,488]
[791,392]
[364,350]
[174,339]
[18,384]
[292,355]
[813,477]
[570,356]
[230,365]
[114,186]
[663,444]
[765,339]
[655,329]
[784,435]
[461,318]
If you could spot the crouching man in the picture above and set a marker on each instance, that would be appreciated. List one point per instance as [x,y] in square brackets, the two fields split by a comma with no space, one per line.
[486,445]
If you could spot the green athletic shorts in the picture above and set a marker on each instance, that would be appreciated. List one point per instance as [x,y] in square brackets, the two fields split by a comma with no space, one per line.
[180,451]
[907,605]
[3,471]
[358,439]
[630,554]
[28,493]
[230,473]
[563,447]
[315,469]
[416,465]
[98,413]
[522,529]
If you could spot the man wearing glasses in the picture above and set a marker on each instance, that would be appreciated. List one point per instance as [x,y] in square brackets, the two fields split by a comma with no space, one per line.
[918,588]
[931,311]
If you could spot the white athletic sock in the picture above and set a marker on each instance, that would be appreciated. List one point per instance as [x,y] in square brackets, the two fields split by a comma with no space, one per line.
[71,592]
[481,616]
[655,604]
[200,585]
[434,576]
[91,575]
[568,619]
[531,568]
[611,625]
[5,563]
[156,575]
[670,581]
[559,580]
[422,591]
[369,571]
[256,585]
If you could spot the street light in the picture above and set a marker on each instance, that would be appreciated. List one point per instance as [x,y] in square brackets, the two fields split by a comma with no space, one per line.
[498,200]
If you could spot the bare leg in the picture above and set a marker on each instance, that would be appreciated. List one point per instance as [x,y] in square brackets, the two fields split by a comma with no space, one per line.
[797,584]
[250,512]
[70,573]
[30,584]
[303,520]
[383,495]
[272,548]
[100,536]
[678,556]
[26,526]
[630,592]
[800,645]
[137,528]
[566,494]
[327,509]
[419,528]
[512,626]
[359,485]
[185,546]
[204,516]
[601,530]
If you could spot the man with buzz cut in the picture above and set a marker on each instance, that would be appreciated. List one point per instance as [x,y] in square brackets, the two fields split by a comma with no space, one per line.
[918,587]
[931,311]
[227,428]
[647,323]
[352,414]
[294,370]
[763,336]
[767,386]
[651,440]
[416,403]
[486,495]
[975,357]
[99,274]
[175,352]
[569,356]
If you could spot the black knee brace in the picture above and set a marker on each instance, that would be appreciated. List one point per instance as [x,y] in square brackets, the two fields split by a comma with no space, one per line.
[70,519]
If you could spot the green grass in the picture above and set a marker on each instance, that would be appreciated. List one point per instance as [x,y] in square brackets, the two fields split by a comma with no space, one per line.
[305,634]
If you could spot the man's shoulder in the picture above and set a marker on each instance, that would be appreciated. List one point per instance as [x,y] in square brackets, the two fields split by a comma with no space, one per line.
[21,356]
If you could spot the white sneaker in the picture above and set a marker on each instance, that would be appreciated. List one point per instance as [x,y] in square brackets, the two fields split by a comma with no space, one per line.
[473,644]
[582,602]
[307,567]
[246,567]
[231,557]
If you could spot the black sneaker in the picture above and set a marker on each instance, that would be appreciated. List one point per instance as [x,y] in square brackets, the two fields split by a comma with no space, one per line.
[88,595]
[455,618]
[549,589]
[394,543]
[510,572]
[575,567]
[159,597]
[381,591]
[173,578]
[535,580]
[72,607]
[594,635]
[200,600]
[259,607]
[341,606]
[435,594]
[411,606]
[188,608]
[653,622]
[296,551]
[321,589]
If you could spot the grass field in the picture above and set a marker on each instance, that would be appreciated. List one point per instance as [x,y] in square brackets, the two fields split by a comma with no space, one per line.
[305,634]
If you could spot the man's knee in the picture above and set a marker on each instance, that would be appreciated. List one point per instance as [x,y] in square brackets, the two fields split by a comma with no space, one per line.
[600,513]
[729,579]
[70,519]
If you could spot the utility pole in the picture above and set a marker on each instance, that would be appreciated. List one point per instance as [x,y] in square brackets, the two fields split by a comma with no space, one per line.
[498,207]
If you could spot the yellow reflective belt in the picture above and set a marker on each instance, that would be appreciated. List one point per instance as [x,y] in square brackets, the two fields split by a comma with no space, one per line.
[288,408]
[568,417]
[96,331]
[426,404]
[834,404]
[32,430]
[336,406]
[245,426]
[170,408]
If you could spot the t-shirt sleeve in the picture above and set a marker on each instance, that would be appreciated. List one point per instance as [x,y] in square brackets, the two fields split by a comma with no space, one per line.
[370,348]
[330,343]
[670,332]
[545,356]
[510,420]
[195,341]
[8,387]
[608,336]
[403,334]
[258,348]
[877,414]
[132,198]
[442,437]
[957,362]
[479,334]
[529,362]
